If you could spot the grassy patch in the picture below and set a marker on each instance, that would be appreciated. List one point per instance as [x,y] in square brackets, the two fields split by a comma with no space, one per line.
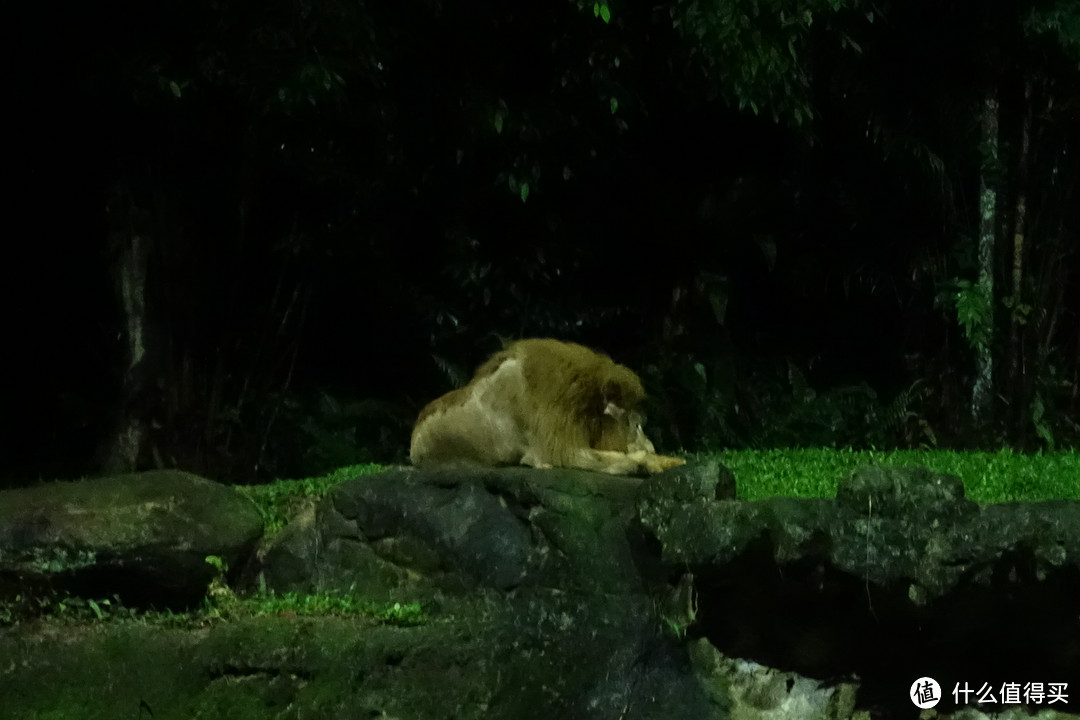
[280,500]
[1003,476]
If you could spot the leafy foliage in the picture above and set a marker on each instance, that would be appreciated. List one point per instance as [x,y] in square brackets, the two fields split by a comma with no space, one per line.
[844,416]
[973,312]
[758,50]
[1060,19]
[779,408]
[436,177]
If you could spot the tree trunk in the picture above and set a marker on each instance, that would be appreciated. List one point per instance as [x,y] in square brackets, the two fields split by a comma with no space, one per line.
[1019,381]
[982,390]
[129,243]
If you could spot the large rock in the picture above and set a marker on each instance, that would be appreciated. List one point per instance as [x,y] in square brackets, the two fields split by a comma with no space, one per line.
[143,537]
[409,529]
[568,594]
[533,608]
[900,576]
[887,526]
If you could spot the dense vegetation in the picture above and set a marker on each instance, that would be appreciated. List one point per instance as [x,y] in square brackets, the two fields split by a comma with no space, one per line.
[258,237]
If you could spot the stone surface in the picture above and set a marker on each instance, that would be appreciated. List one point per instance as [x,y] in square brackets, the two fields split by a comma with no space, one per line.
[899,576]
[552,594]
[144,537]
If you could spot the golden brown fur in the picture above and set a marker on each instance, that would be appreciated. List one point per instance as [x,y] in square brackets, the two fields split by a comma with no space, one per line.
[543,403]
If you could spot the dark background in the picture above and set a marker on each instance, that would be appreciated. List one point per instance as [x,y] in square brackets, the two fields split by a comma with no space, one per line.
[766,209]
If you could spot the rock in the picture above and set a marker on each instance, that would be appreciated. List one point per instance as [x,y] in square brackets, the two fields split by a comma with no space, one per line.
[143,537]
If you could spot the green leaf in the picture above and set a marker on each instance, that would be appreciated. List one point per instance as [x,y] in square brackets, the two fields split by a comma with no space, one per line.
[175,88]
[1042,428]
[524,191]
[973,312]
[614,105]
[596,9]
[498,122]
[605,13]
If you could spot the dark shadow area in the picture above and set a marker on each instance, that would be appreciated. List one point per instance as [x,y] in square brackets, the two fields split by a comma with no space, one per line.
[1001,625]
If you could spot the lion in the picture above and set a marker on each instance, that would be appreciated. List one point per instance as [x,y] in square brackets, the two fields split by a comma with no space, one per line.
[542,403]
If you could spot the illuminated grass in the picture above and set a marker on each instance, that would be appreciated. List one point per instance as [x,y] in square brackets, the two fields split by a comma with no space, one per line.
[988,477]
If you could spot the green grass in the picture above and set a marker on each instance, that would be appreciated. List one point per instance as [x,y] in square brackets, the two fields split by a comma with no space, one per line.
[322,604]
[279,500]
[1003,476]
